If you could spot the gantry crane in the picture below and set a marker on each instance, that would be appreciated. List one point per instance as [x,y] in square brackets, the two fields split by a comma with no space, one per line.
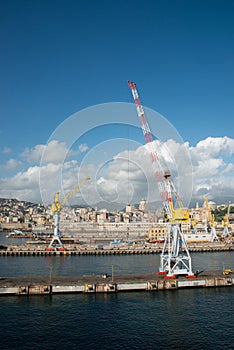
[194,226]
[56,242]
[225,222]
[211,221]
[175,258]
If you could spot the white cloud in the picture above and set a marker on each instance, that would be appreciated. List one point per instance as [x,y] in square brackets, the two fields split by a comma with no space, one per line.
[215,145]
[54,152]
[213,160]
[228,169]
[11,164]
[131,171]
[83,147]
[34,154]
[128,176]
[208,167]
[23,185]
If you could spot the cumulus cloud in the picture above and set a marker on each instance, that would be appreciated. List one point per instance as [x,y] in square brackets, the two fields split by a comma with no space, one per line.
[11,164]
[211,160]
[213,166]
[128,175]
[54,152]
[206,168]
[29,185]
[23,185]
[215,145]
[34,154]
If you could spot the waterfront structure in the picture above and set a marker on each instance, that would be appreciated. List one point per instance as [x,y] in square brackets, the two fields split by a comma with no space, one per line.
[131,229]
[110,284]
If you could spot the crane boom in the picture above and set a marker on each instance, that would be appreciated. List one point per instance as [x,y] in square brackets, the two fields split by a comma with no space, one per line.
[57,205]
[163,178]
[72,192]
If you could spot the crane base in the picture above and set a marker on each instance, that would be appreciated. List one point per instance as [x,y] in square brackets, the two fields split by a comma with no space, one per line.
[191,276]
[170,277]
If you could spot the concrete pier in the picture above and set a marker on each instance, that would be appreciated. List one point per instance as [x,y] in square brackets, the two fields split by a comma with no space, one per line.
[109,284]
[152,249]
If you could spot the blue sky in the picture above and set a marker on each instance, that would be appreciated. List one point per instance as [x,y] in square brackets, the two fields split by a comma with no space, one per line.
[58,58]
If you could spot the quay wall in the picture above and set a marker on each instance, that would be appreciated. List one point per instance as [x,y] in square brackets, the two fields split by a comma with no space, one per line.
[128,285]
[19,251]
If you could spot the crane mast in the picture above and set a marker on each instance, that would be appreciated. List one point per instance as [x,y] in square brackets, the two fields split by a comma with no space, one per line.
[57,206]
[225,222]
[175,258]
[211,220]
[158,169]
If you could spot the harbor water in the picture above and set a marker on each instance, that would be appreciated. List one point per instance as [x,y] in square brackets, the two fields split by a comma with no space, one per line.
[199,318]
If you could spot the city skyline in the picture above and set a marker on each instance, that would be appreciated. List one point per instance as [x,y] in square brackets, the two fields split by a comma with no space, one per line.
[72,61]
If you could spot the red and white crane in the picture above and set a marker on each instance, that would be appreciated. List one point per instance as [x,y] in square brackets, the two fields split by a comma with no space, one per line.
[175,258]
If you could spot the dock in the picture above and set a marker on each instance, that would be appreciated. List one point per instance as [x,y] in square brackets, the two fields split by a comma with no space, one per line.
[81,251]
[50,285]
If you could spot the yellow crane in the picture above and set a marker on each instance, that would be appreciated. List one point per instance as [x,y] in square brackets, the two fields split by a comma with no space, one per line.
[176,215]
[57,206]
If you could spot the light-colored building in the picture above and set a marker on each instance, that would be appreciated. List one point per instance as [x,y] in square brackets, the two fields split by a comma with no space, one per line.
[130,208]
[157,233]
[143,206]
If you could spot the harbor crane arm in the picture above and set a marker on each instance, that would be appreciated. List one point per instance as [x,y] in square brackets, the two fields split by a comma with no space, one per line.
[57,205]
[166,187]
[72,192]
